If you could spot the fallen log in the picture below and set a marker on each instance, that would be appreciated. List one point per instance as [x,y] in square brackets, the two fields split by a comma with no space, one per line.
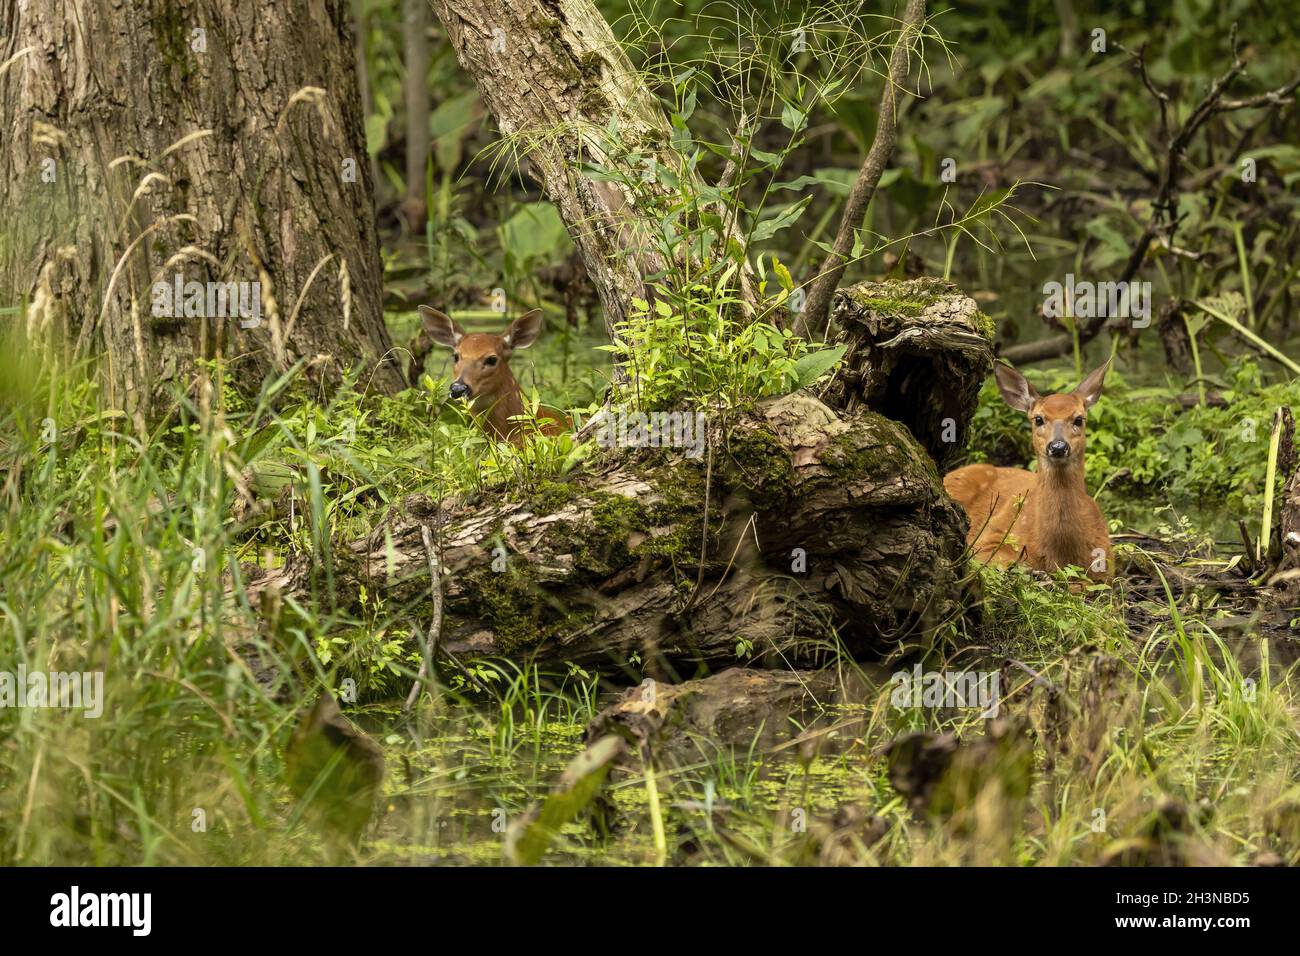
[741,708]
[820,529]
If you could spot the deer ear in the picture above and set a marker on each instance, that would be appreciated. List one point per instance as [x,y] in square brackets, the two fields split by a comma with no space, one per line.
[1090,388]
[524,330]
[441,328]
[1017,392]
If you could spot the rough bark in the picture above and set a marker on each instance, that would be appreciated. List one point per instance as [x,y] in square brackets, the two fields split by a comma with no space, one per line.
[816,526]
[918,352]
[222,141]
[1288,567]
[553,74]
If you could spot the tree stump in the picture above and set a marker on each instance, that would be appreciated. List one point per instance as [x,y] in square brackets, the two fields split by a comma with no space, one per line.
[918,352]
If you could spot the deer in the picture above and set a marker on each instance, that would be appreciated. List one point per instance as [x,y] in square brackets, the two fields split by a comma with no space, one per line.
[1044,519]
[481,374]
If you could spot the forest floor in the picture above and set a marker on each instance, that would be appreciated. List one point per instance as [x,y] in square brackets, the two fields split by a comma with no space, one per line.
[1151,721]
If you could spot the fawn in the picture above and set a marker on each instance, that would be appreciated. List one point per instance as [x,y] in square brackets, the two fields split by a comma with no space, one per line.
[482,373]
[1044,519]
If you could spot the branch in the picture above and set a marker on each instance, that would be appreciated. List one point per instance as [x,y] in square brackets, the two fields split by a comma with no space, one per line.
[1163,220]
[882,147]
[430,644]
[1271,98]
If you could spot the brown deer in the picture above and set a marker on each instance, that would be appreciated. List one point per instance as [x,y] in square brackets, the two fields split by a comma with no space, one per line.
[1044,519]
[482,374]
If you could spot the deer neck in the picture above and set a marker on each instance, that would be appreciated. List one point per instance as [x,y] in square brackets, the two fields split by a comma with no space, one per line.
[1058,513]
[496,409]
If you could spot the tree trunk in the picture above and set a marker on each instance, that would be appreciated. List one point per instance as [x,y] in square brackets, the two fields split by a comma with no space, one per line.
[554,74]
[220,142]
[817,526]
[415,22]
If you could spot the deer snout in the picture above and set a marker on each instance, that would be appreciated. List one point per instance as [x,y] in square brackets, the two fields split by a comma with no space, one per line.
[1058,449]
[459,390]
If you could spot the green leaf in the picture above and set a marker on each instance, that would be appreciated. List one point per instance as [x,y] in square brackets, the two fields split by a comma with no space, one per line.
[793,119]
[837,181]
[535,231]
[449,126]
[528,837]
[783,275]
[784,217]
[809,368]
[376,133]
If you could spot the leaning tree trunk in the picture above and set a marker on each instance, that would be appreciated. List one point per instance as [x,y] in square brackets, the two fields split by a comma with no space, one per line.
[556,78]
[221,142]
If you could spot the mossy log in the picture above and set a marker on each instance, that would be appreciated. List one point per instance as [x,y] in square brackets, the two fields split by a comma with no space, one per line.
[918,351]
[817,526]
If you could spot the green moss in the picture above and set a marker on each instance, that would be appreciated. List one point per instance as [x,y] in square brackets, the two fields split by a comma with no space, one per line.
[622,529]
[881,459]
[551,496]
[764,464]
[895,306]
[510,605]
[172,36]
[542,22]
[910,297]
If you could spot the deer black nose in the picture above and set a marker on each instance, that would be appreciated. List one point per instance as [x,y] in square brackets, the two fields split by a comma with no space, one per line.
[1058,449]
[459,390]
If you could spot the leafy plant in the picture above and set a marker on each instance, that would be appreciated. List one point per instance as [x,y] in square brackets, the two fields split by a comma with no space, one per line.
[706,359]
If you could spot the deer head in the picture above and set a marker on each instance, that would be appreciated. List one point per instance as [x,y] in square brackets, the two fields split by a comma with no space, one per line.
[1058,420]
[481,374]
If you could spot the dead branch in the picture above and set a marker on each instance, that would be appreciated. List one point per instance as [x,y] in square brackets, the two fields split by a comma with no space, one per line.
[1164,219]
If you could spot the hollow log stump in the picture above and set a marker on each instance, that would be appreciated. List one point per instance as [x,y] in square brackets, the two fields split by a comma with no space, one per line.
[918,352]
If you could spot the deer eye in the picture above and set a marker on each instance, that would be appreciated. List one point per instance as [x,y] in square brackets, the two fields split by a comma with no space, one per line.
[1038,420]
[1078,421]
[455,356]
[490,361]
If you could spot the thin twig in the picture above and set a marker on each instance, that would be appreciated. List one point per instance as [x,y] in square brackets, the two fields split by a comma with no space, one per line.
[1164,220]
[813,317]
[435,626]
